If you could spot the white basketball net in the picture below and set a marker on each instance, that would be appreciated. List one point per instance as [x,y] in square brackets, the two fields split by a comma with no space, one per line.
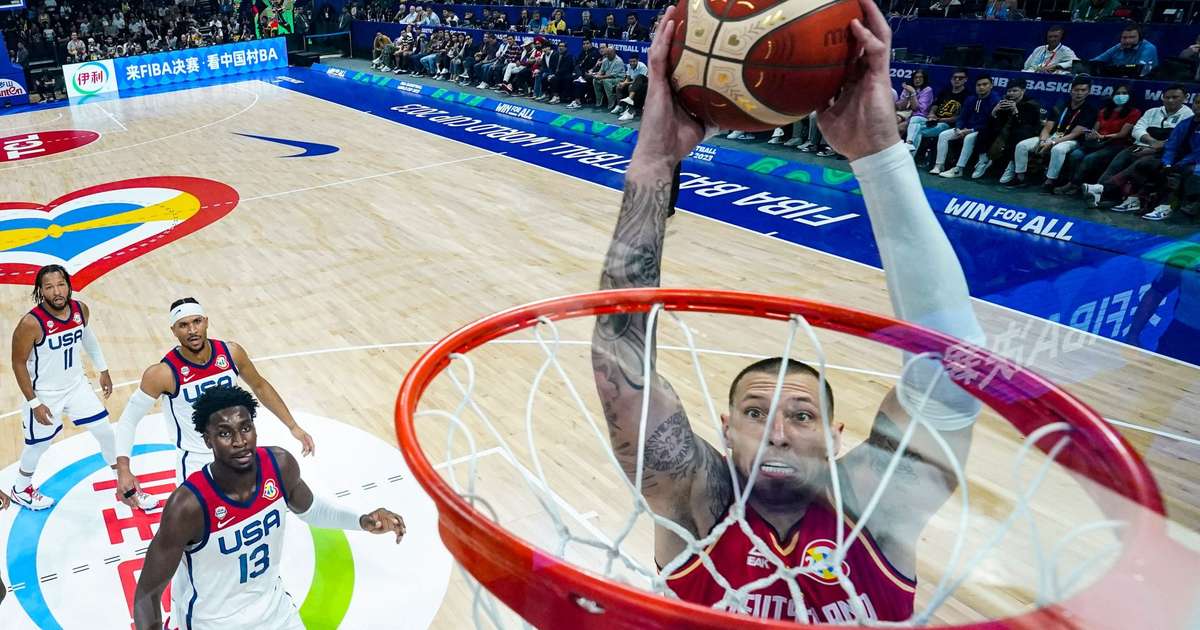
[1052,585]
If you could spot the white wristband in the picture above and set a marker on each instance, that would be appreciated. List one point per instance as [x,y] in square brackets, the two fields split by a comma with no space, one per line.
[34,403]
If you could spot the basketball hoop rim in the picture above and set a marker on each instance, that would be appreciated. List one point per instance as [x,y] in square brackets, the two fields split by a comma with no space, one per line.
[465,530]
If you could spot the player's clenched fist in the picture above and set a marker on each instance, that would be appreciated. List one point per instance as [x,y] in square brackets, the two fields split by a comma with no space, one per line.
[382,521]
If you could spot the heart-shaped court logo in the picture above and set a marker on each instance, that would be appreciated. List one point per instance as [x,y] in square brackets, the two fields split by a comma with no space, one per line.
[97,229]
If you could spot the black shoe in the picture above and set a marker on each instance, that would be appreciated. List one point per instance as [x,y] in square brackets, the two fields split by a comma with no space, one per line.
[1067,189]
[1048,187]
[1017,182]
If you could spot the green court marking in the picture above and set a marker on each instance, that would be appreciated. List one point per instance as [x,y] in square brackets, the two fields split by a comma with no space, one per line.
[440,91]
[799,175]
[333,581]
[766,165]
[835,176]
[621,133]
[561,120]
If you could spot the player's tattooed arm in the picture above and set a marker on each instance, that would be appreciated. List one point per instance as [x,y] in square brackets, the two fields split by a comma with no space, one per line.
[181,525]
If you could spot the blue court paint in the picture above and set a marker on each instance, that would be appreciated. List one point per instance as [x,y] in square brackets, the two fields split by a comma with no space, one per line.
[308,149]
[1096,289]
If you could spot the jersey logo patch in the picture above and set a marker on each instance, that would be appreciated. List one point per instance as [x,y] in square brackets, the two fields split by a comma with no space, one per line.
[757,559]
[222,363]
[185,372]
[78,319]
[50,325]
[220,512]
[817,561]
[270,490]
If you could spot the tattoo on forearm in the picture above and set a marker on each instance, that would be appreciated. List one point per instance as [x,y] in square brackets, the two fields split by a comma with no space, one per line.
[885,440]
[671,447]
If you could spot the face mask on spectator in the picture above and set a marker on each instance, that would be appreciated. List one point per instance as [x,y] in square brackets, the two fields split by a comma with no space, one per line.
[1120,99]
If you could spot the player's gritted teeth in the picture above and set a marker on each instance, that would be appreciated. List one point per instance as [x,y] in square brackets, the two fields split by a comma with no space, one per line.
[776,469]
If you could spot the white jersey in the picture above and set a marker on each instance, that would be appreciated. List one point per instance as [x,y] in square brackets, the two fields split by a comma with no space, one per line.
[56,364]
[191,380]
[230,578]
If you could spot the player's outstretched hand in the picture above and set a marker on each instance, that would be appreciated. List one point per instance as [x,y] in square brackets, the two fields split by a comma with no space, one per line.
[382,521]
[306,441]
[862,120]
[667,133]
[128,487]
[106,384]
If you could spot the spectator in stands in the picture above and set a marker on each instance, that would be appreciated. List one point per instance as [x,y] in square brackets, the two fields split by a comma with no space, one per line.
[556,25]
[499,21]
[463,59]
[1138,167]
[914,102]
[401,11]
[507,56]
[1053,57]
[1012,120]
[1114,128]
[1093,10]
[1003,10]
[46,87]
[605,80]
[1181,157]
[377,49]
[610,30]
[634,32]
[1060,135]
[429,18]
[405,44]
[946,108]
[633,71]
[437,47]
[413,17]
[485,54]
[449,18]
[585,69]
[76,49]
[537,23]
[1131,51]
[637,96]
[468,20]
[1191,54]
[975,115]
[560,71]
[587,28]
[517,75]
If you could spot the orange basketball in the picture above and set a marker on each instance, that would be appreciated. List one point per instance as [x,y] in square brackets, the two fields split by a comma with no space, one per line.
[752,65]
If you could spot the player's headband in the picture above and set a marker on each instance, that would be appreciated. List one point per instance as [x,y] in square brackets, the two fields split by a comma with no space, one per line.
[187,309]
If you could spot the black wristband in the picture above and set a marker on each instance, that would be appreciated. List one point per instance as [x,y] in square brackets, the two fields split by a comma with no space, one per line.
[130,492]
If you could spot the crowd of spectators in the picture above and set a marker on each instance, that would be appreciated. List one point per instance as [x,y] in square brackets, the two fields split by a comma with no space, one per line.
[70,31]
[533,20]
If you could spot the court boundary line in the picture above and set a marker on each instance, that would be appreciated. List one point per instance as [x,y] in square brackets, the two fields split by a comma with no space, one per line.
[568,342]
[745,229]
[152,140]
[51,121]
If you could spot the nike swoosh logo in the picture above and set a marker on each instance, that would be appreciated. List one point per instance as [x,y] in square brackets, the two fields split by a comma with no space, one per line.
[310,149]
[223,523]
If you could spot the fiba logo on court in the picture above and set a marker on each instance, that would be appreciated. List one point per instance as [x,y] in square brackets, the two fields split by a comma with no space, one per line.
[221,362]
[817,562]
[269,490]
[77,564]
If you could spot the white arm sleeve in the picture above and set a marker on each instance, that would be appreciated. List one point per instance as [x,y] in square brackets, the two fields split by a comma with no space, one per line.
[139,403]
[925,281]
[322,513]
[92,346]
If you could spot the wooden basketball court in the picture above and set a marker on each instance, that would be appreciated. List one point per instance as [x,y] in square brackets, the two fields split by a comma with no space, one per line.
[336,272]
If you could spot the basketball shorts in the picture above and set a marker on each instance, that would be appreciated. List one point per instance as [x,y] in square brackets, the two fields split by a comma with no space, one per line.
[283,615]
[188,462]
[79,403]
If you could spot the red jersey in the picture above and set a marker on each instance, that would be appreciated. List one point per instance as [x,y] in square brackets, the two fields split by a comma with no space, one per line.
[885,593]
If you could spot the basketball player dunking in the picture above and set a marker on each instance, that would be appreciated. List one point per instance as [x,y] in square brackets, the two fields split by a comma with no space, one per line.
[221,534]
[46,360]
[195,365]
[789,507]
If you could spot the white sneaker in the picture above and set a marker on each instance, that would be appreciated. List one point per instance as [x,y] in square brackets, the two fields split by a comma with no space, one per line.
[741,135]
[385,68]
[981,167]
[734,135]
[30,498]
[952,173]
[777,133]
[628,115]
[628,100]
[615,110]
[794,142]
[555,100]
[1010,172]
[936,170]
[464,76]
[807,147]
[1094,192]
[1131,204]
[148,503]
[574,105]
[1158,214]
[482,85]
